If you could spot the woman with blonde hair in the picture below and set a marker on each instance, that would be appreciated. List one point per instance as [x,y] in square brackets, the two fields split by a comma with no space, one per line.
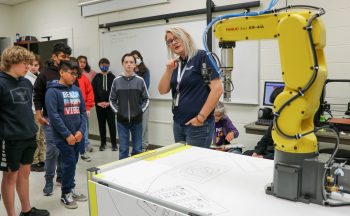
[194,94]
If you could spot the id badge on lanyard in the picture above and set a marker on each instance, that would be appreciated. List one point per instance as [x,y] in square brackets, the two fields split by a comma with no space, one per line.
[180,74]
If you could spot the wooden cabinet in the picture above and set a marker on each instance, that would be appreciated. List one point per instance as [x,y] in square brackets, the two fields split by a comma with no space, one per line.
[29,45]
[43,49]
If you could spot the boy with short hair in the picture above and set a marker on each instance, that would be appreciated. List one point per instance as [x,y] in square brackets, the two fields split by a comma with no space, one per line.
[60,52]
[67,115]
[101,85]
[129,99]
[17,130]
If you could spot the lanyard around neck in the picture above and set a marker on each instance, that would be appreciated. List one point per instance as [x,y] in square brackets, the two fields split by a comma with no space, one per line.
[180,74]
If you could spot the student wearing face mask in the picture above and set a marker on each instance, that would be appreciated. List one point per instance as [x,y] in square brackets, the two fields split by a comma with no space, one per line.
[101,85]
[142,71]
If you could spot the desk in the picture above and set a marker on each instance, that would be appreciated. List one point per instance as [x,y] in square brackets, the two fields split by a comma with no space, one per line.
[322,136]
[180,180]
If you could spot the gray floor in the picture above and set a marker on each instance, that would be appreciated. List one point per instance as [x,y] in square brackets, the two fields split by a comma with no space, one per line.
[52,203]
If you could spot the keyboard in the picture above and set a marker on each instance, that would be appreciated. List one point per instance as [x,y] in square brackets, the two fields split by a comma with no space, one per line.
[266,122]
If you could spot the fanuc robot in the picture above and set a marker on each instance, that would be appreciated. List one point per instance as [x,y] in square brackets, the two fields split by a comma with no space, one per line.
[300,173]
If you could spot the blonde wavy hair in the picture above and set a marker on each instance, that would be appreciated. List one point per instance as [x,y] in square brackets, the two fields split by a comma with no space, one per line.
[14,55]
[185,38]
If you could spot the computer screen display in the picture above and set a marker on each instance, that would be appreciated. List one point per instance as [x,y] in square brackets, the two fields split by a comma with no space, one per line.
[269,87]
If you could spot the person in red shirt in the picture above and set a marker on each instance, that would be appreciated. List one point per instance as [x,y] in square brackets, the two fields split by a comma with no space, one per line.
[88,95]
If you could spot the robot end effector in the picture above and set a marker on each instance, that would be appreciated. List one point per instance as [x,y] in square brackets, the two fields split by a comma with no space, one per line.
[226,65]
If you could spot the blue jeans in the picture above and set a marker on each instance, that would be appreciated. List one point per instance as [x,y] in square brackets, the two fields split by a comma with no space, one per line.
[53,159]
[200,136]
[145,117]
[124,137]
[85,142]
[70,155]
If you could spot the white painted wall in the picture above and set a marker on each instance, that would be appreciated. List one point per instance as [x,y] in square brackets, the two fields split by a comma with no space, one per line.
[37,16]
[6,27]
[5,20]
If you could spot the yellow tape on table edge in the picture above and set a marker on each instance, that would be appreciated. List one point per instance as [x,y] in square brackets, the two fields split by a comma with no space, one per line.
[92,196]
[167,153]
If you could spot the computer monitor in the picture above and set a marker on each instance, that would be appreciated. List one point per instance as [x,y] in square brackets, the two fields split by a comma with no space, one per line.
[269,87]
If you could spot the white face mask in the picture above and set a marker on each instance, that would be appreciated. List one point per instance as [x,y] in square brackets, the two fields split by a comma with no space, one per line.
[138,61]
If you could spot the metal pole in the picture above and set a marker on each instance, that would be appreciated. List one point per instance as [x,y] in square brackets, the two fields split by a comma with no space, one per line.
[210,6]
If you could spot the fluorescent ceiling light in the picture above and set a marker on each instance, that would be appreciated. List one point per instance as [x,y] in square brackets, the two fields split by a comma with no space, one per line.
[95,7]
[90,2]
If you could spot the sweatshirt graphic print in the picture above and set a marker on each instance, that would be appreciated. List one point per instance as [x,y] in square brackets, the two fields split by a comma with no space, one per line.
[71,102]
[66,109]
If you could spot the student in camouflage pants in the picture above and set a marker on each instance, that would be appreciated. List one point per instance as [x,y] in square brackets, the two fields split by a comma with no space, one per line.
[39,155]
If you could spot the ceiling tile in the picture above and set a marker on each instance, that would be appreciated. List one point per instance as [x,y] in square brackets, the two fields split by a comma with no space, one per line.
[12,2]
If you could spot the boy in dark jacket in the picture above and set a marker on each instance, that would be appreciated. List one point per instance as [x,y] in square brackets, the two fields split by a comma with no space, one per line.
[67,115]
[264,148]
[129,99]
[60,52]
[17,130]
[102,84]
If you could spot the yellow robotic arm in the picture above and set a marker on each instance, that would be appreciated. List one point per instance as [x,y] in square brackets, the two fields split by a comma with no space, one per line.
[298,68]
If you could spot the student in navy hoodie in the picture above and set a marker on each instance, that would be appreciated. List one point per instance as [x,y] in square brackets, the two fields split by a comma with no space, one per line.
[17,130]
[67,114]
[60,52]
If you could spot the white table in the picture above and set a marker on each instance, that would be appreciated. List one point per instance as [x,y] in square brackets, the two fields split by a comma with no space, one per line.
[177,179]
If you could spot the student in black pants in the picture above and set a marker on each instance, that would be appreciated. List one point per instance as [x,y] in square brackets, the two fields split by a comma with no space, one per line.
[265,147]
[101,84]
[17,131]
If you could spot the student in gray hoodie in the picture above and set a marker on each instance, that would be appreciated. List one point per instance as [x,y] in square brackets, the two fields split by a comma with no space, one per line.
[129,99]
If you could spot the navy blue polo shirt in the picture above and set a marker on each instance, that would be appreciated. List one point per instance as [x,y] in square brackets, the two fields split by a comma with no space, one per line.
[193,91]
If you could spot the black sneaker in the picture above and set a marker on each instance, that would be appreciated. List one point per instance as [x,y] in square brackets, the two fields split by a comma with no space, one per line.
[37,168]
[102,148]
[36,212]
[48,189]
[40,169]
[68,201]
[114,148]
[33,167]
